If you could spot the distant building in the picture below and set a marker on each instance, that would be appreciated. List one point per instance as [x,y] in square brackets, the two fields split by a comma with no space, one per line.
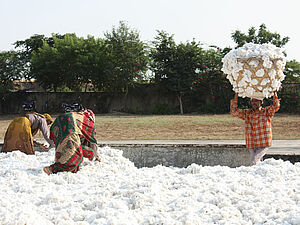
[33,86]
[26,86]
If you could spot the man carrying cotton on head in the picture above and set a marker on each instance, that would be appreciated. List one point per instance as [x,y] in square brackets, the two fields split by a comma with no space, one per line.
[258,127]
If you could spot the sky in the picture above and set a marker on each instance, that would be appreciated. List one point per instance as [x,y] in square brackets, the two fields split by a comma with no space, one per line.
[210,22]
[114,191]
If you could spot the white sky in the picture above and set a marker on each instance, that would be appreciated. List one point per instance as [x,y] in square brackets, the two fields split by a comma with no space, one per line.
[210,21]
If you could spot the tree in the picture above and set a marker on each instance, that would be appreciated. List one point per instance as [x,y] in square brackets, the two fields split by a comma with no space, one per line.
[260,37]
[28,46]
[212,82]
[11,68]
[46,69]
[54,66]
[128,56]
[175,66]
[292,72]
[70,62]
[94,64]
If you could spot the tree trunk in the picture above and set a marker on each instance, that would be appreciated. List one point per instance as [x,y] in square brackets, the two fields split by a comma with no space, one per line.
[180,103]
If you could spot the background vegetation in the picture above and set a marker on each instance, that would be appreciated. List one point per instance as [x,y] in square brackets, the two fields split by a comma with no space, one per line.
[120,61]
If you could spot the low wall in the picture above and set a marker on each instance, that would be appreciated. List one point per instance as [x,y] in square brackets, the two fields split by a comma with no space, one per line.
[142,100]
[183,155]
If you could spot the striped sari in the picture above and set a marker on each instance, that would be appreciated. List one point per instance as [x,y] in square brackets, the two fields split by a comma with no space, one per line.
[74,137]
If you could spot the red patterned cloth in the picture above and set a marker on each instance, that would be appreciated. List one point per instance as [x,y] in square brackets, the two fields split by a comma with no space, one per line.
[74,137]
[258,128]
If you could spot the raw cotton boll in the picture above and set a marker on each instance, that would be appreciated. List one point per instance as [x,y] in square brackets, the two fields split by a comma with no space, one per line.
[272,74]
[247,75]
[265,81]
[260,73]
[266,92]
[230,78]
[280,64]
[253,63]
[250,90]
[255,70]
[267,62]
[242,83]
[276,84]
[234,84]
[235,76]
[281,76]
[242,52]
[254,82]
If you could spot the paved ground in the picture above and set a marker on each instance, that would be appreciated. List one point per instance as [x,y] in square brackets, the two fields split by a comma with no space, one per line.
[280,147]
[285,147]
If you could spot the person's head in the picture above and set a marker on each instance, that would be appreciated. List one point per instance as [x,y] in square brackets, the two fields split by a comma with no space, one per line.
[48,118]
[28,106]
[256,103]
[75,107]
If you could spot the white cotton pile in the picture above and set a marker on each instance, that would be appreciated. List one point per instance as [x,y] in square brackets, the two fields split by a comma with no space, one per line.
[114,191]
[254,70]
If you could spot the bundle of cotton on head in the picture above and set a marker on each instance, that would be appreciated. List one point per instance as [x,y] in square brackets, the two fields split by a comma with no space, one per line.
[255,70]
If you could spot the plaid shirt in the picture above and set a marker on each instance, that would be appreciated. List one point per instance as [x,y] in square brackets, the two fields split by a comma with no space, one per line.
[258,128]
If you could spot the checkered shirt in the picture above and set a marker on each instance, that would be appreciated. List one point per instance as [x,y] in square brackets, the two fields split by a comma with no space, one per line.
[258,128]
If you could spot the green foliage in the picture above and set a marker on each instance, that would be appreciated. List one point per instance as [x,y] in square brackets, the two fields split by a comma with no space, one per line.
[289,102]
[175,66]
[212,82]
[128,57]
[121,60]
[47,67]
[259,37]
[292,72]
[11,68]
[30,45]
[70,62]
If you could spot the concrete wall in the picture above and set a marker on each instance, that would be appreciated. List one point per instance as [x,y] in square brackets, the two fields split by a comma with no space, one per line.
[184,155]
[144,99]
[138,100]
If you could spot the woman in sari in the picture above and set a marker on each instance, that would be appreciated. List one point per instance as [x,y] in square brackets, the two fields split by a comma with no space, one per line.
[74,136]
[20,132]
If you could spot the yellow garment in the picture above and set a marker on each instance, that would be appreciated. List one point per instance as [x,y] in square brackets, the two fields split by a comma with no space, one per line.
[18,136]
[48,117]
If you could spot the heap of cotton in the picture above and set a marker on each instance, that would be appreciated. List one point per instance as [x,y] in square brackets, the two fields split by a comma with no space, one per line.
[255,70]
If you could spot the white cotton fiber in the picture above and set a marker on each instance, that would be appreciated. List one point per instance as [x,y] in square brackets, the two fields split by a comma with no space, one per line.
[114,191]
[255,70]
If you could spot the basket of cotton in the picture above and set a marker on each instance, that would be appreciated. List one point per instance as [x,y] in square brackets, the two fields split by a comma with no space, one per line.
[255,70]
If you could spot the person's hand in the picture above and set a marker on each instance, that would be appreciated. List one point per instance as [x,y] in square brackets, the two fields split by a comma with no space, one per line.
[44,147]
[98,159]
[36,142]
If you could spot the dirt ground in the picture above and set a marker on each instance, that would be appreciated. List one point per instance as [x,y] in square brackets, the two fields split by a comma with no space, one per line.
[177,127]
